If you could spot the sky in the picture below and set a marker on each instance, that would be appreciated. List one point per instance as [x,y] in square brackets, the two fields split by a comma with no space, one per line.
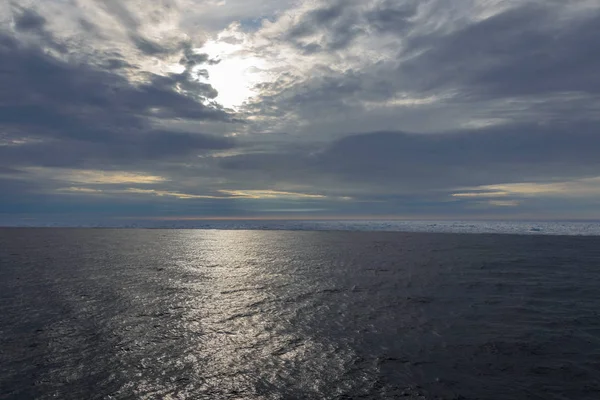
[184,109]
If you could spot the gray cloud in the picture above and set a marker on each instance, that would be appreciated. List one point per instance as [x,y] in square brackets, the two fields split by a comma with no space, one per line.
[73,113]
[524,77]
[529,50]
[149,47]
[541,130]
[132,24]
[111,151]
[400,163]
[392,16]
[497,96]
[337,24]
[34,74]
[29,21]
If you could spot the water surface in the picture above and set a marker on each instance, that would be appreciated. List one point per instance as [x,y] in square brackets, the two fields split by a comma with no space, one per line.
[201,314]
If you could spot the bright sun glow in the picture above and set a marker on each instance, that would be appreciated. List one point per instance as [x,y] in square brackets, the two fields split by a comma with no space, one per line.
[236,75]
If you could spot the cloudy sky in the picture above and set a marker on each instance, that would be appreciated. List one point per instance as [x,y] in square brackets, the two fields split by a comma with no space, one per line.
[171,109]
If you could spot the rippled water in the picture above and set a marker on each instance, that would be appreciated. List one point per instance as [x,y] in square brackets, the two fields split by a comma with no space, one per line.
[192,314]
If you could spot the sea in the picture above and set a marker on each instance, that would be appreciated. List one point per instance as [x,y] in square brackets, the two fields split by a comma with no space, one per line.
[260,313]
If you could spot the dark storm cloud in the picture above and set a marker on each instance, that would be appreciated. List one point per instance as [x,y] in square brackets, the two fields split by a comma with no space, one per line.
[34,78]
[402,162]
[191,59]
[391,16]
[29,21]
[529,50]
[115,64]
[160,144]
[110,151]
[80,112]
[498,154]
[150,47]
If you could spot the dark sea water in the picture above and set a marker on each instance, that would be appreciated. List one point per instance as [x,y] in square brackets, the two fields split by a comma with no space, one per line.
[200,314]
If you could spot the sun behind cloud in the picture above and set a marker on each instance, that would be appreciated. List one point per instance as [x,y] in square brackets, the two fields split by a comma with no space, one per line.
[236,73]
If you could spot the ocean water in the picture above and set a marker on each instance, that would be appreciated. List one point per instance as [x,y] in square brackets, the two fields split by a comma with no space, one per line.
[251,314]
[570,228]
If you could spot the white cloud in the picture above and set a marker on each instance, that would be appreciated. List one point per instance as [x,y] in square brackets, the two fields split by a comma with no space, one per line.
[92,177]
[579,188]
[270,194]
